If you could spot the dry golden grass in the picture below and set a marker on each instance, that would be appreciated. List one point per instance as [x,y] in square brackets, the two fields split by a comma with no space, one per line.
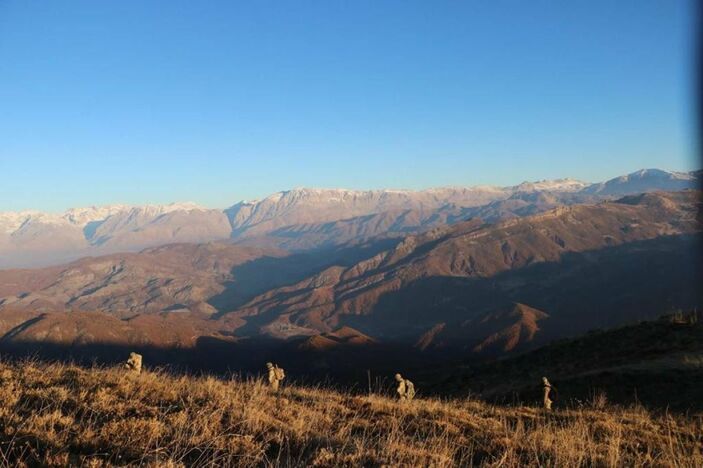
[59,415]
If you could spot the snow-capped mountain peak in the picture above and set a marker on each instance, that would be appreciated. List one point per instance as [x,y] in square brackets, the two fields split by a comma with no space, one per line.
[82,216]
[556,185]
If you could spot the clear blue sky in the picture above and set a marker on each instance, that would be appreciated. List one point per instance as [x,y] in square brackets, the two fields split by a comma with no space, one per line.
[217,101]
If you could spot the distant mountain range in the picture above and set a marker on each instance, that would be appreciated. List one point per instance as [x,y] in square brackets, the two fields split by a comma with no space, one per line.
[299,219]
[471,287]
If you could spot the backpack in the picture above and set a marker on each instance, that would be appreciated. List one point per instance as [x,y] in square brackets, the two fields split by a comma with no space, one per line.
[409,390]
[280,375]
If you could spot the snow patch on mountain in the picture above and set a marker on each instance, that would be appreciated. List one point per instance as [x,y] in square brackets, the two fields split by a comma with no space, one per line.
[558,185]
[82,216]
[645,180]
[11,221]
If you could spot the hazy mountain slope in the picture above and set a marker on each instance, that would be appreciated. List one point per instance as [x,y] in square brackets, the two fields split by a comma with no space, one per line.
[423,280]
[646,180]
[145,227]
[30,239]
[35,239]
[175,278]
[305,206]
[525,204]
[389,224]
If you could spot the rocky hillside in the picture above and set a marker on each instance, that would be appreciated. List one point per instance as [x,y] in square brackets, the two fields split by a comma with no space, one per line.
[174,278]
[451,276]
[500,331]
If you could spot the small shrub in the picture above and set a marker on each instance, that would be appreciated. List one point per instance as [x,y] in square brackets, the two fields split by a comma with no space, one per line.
[599,400]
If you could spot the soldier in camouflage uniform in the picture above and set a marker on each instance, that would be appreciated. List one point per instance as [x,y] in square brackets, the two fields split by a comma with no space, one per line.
[275,375]
[134,363]
[547,389]
[406,389]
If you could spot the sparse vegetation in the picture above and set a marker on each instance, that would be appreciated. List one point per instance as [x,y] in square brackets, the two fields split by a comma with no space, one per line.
[658,363]
[58,415]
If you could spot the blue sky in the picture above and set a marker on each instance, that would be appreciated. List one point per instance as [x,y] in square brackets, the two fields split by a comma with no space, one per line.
[159,101]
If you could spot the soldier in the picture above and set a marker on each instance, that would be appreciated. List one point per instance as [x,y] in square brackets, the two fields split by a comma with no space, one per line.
[406,389]
[547,390]
[134,363]
[276,375]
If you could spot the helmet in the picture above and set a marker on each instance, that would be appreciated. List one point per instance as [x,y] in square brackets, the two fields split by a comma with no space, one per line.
[398,377]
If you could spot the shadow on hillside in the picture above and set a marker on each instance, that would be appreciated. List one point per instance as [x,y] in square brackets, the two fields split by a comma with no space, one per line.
[262,274]
[658,363]
[352,367]
[20,328]
[579,370]
[581,292]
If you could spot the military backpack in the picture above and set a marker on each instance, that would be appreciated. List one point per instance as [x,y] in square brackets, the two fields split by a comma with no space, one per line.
[409,390]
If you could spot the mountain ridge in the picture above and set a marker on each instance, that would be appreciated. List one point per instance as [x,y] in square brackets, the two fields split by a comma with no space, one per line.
[298,219]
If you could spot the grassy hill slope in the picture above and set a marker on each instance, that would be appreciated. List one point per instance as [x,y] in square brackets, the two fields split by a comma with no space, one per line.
[659,363]
[52,414]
